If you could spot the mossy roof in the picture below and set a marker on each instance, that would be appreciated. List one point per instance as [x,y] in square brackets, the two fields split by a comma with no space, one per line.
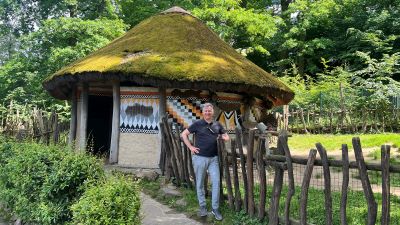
[172,50]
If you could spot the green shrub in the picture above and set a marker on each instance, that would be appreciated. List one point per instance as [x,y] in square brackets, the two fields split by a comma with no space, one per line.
[115,201]
[40,183]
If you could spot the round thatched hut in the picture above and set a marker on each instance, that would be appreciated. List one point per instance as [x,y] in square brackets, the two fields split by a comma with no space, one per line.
[170,63]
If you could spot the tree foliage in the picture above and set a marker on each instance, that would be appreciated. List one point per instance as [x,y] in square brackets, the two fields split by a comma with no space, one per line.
[306,42]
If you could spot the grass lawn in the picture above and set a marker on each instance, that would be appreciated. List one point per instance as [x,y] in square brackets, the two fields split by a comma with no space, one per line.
[332,142]
[356,206]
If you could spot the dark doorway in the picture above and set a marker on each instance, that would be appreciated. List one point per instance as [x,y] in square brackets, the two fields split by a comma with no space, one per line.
[99,124]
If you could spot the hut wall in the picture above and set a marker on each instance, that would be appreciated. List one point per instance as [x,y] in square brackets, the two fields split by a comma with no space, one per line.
[139,143]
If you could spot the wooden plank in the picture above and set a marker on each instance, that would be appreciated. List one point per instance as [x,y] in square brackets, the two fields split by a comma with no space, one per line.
[276,190]
[385,161]
[73,121]
[227,174]
[327,184]
[114,145]
[262,177]
[283,139]
[235,176]
[250,178]
[243,166]
[305,185]
[369,195]
[345,185]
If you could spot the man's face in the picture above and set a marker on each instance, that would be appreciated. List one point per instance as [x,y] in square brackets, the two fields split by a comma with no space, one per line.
[208,113]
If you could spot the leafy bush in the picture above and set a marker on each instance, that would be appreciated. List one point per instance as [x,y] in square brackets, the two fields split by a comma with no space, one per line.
[39,183]
[115,201]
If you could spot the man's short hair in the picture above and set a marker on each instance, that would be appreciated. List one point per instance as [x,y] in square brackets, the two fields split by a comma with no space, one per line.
[207,104]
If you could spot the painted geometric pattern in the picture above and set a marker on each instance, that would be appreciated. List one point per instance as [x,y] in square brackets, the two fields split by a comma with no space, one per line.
[139,113]
[186,111]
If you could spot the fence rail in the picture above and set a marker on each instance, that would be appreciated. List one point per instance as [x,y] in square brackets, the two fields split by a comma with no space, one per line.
[317,121]
[247,171]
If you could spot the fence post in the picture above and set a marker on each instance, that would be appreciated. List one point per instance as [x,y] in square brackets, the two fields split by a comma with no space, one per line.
[250,175]
[227,173]
[276,190]
[235,176]
[385,160]
[345,184]
[283,139]
[262,177]
[243,166]
[327,182]
[305,185]
[369,195]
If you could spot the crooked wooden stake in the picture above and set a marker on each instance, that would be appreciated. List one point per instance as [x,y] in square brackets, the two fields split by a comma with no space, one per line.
[305,185]
[372,205]
[283,139]
[327,183]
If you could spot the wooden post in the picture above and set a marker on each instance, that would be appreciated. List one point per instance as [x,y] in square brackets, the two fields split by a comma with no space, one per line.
[305,185]
[115,123]
[250,178]
[327,182]
[283,139]
[228,182]
[276,189]
[262,177]
[369,195]
[243,166]
[235,176]
[345,184]
[72,124]
[286,117]
[83,115]
[385,160]
[162,112]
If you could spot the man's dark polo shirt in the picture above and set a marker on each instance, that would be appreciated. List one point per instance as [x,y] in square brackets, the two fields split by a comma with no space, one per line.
[206,136]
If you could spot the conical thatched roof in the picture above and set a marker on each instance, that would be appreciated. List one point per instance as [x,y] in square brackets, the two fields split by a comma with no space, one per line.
[172,50]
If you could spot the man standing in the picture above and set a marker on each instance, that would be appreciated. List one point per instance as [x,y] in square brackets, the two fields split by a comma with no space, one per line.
[205,156]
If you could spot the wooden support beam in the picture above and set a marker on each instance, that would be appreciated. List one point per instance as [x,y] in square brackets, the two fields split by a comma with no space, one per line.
[72,124]
[83,116]
[114,146]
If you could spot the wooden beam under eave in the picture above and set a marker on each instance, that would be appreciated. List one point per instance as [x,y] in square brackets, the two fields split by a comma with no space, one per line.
[72,124]
[114,146]
[83,116]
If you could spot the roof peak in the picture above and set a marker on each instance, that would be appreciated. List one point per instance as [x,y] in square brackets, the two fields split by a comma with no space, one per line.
[175,9]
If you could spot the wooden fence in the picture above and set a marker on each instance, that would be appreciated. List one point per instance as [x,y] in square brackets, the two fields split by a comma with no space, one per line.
[241,166]
[33,124]
[317,121]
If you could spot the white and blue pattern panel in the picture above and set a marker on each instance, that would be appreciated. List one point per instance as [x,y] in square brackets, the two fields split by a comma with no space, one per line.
[139,112]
